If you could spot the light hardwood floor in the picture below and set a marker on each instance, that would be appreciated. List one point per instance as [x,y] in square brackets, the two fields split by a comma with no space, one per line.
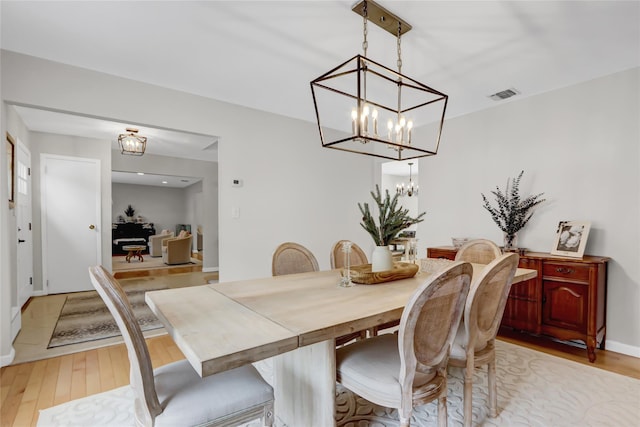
[28,387]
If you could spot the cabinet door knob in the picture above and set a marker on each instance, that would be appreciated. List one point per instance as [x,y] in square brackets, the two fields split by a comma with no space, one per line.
[564,270]
[91,227]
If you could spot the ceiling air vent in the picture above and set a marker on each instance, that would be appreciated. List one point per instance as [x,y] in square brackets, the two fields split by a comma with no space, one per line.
[508,93]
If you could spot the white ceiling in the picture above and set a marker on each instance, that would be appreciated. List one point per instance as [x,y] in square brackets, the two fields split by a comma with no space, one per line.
[153,180]
[263,54]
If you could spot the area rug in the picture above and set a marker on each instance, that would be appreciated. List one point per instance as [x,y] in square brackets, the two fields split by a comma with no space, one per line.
[534,389]
[84,317]
[119,264]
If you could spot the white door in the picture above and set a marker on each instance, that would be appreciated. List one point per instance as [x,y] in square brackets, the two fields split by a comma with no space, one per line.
[23,222]
[70,222]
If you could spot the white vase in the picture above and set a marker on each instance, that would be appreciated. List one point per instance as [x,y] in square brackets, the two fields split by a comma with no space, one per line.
[381,259]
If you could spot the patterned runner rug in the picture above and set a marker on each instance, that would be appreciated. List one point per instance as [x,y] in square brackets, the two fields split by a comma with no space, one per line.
[534,389]
[84,317]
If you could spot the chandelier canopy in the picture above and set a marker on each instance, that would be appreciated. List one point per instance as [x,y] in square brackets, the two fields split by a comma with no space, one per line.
[364,107]
[131,143]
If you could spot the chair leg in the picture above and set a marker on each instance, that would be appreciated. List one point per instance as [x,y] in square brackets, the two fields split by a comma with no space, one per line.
[493,388]
[442,411]
[404,413]
[468,391]
[267,415]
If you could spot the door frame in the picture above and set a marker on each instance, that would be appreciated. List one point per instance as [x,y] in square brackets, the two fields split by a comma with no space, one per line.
[43,211]
[21,147]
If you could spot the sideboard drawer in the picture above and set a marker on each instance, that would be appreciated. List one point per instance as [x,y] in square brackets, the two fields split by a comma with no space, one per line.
[568,271]
[446,253]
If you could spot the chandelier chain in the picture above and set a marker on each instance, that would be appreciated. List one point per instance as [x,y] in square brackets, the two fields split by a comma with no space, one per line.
[365,29]
[399,48]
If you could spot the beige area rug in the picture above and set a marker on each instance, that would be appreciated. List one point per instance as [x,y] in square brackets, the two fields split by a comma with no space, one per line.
[120,264]
[85,317]
[41,315]
[534,389]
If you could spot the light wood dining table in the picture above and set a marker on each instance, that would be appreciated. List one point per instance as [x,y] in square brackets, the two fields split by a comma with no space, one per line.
[295,318]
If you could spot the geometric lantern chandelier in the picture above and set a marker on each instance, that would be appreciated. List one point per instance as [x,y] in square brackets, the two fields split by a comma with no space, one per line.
[131,143]
[364,107]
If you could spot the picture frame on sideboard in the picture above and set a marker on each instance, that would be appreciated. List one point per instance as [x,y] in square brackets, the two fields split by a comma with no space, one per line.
[571,238]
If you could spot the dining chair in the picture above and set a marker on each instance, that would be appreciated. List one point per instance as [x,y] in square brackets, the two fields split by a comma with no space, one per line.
[292,258]
[474,344]
[357,256]
[410,368]
[478,251]
[175,394]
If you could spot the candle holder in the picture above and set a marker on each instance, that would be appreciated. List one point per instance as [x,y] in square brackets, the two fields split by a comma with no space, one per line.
[345,280]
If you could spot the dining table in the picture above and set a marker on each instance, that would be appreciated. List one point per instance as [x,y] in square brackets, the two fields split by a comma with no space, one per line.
[293,319]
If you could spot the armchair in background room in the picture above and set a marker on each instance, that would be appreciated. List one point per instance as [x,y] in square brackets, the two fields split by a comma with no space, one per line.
[155,242]
[177,250]
[199,239]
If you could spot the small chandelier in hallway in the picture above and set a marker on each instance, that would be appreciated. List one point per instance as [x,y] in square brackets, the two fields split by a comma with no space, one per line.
[411,189]
[131,143]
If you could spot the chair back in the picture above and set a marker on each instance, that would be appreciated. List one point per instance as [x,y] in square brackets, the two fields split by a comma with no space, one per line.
[487,300]
[357,257]
[147,406]
[479,251]
[291,258]
[430,320]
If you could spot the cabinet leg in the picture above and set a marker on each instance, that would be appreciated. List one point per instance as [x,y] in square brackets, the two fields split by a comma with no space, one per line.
[591,349]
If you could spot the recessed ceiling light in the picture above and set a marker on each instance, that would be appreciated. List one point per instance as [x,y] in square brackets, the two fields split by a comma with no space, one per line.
[164,182]
[140,173]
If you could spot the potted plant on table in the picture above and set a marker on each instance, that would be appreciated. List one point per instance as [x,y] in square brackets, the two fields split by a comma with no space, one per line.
[392,219]
[512,213]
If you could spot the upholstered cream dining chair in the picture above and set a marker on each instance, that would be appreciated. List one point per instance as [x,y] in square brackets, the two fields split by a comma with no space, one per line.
[174,394]
[474,344]
[478,251]
[408,369]
[292,258]
[357,256]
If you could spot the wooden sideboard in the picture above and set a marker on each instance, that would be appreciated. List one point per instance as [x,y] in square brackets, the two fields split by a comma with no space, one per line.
[567,300]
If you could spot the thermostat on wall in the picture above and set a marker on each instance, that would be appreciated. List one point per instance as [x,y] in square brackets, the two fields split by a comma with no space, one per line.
[236,183]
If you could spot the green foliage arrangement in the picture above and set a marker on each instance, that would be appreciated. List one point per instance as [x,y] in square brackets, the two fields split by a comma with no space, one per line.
[129,211]
[392,218]
[512,214]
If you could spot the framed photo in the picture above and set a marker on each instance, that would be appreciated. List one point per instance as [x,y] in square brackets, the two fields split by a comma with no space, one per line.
[571,238]
[11,152]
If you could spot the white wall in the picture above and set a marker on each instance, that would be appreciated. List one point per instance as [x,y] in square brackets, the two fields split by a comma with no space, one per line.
[164,207]
[294,189]
[580,146]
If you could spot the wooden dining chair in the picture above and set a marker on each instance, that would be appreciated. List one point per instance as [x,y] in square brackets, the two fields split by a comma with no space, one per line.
[357,256]
[474,344]
[292,258]
[478,251]
[175,394]
[410,369]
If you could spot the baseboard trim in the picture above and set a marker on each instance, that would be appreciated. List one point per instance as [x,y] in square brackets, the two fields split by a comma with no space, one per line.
[6,359]
[210,269]
[38,294]
[619,347]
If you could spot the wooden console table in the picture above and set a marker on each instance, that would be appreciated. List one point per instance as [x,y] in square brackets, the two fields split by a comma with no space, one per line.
[567,299]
